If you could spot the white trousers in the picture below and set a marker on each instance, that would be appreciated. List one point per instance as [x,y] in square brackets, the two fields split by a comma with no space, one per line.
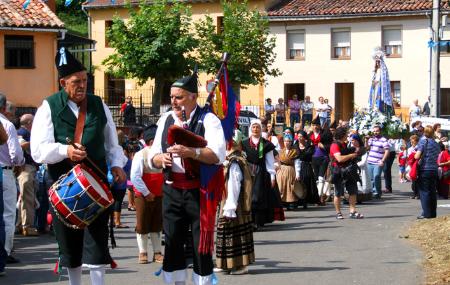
[9,202]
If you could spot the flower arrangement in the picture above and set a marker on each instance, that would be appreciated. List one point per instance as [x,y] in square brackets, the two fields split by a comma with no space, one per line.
[364,120]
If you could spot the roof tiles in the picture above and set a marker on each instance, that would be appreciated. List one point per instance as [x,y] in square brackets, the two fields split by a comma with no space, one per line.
[317,8]
[36,15]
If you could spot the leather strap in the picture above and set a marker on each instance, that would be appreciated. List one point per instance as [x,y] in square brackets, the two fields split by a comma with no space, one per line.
[80,122]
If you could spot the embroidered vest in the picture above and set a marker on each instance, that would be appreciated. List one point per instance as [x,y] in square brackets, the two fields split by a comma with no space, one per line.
[245,195]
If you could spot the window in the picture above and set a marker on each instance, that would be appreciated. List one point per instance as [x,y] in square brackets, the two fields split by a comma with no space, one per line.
[19,52]
[296,45]
[108,25]
[395,93]
[115,89]
[445,49]
[392,41]
[220,25]
[340,43]
[445,102]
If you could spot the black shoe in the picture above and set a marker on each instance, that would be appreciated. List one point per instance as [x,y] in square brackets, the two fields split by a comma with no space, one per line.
[11,260]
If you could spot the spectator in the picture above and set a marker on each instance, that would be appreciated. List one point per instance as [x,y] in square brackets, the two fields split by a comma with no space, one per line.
[307,108]
[3,254]
[128,111]
[269,110]
[378,154]
[10,114]
[437,132]
[402,158]
[44,182]
[426,108]
[294,110]
[26,180]
[341,158]
[414,111]
[329,111]
[444,164]
[272,137]
[414,141]
[388,166]
[281,112]
[11,155]
[322,111]
[428,151]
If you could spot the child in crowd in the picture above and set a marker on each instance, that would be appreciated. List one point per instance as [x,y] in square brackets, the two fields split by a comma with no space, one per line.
[402,158]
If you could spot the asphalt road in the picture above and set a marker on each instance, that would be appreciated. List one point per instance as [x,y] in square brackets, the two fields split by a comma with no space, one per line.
[310,247]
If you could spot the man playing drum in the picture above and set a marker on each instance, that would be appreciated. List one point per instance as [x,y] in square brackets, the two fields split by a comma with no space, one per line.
[181,198]
[71,113]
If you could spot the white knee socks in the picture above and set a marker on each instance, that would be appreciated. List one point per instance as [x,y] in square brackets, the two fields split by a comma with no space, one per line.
[74,275]
[98,276]
[326,188]
[142,241]
[156,241]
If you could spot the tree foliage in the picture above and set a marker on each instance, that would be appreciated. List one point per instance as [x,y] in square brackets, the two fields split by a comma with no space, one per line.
[154,43]
[245,36]
[73,17]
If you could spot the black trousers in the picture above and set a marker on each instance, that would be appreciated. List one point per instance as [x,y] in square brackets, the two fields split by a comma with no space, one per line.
[387,170]
[181,209]
[320,166]
[89,245]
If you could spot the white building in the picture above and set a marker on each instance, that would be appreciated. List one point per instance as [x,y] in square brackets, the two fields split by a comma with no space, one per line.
[324,48]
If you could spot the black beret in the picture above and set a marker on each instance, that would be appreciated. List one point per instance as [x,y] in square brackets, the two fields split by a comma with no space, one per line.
[188,83]
[66,63]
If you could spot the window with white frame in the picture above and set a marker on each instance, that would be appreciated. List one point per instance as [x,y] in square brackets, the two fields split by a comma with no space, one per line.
[396,93]
[444,47]
[392,41]
[296,44]
[340,43]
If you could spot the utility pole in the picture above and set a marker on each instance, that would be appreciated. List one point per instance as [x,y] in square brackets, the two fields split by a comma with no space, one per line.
[435,54]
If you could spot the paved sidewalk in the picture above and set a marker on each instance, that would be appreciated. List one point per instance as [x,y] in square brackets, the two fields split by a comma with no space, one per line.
[310,247]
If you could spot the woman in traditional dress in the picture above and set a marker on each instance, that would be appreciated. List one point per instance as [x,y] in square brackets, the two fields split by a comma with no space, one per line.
[234,244]
[266,203]
[288,175]
[320,158]
[306,151]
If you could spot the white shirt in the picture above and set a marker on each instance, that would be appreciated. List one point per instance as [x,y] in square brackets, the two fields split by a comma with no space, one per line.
[11,153]
[414,111]
[233,190]
[322,110]
[44,149]
[137,171]
[276,143]
[213,136]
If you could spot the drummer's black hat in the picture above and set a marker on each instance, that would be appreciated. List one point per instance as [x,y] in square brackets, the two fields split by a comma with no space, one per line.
[316,121]
[150,132]
[188,83]
[66,63]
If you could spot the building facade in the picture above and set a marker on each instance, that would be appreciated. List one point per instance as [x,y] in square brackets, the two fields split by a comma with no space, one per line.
[114,90]
[28,39]
[326,50]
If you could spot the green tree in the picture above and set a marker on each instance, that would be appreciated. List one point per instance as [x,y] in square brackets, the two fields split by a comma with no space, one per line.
[154,43]
[73,17]
[245,35]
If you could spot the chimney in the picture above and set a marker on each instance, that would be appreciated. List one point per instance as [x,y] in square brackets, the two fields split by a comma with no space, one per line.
[52,5]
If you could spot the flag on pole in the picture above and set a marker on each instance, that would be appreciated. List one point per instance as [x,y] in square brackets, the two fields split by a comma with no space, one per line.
[212,180]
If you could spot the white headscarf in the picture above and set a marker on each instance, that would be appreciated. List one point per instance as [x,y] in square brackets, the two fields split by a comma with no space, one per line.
[253,122]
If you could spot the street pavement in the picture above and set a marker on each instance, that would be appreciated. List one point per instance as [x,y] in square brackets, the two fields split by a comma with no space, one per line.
[310,247]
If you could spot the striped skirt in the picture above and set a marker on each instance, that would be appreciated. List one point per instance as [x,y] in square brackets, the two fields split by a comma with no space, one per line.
[234,246]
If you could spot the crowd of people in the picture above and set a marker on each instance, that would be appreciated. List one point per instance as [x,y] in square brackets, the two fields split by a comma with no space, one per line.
[300,111]
[167,167]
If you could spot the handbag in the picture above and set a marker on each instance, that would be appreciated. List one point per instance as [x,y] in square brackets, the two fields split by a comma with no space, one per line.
[415,168]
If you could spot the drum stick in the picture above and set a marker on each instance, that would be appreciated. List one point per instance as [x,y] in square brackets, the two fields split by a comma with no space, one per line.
[91,162]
